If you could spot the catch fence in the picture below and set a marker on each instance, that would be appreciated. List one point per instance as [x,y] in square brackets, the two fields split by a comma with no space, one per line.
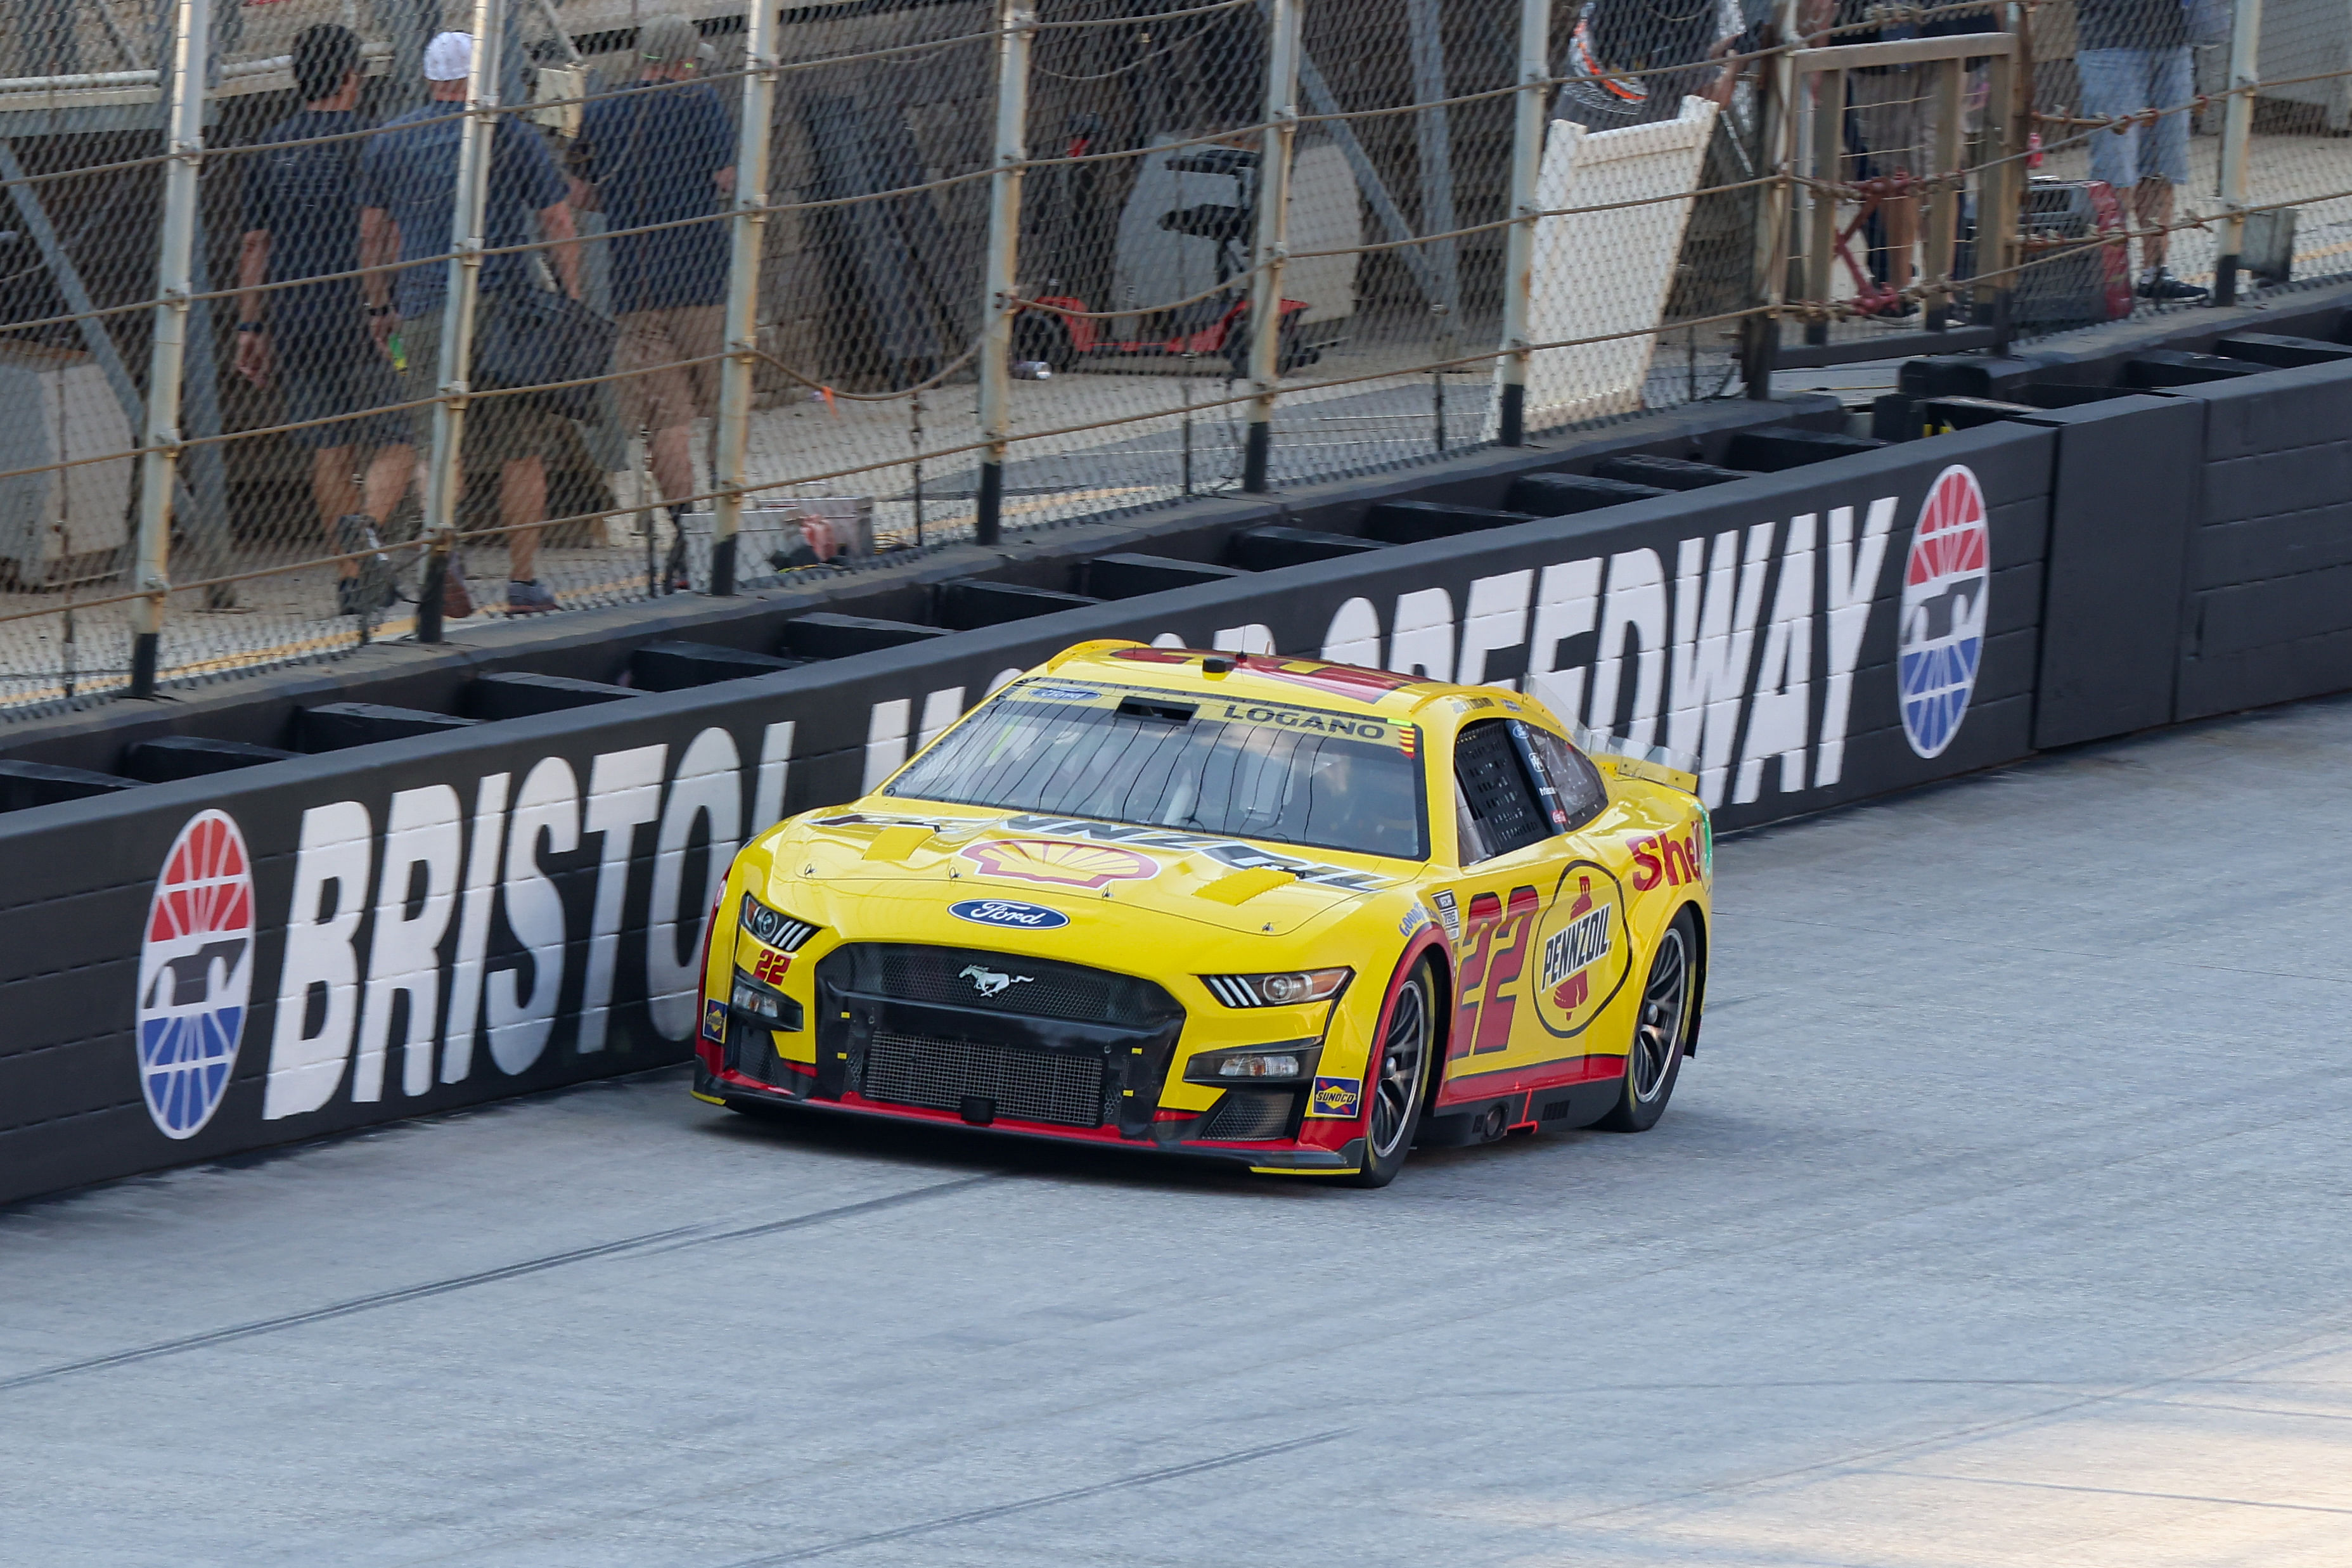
[317,328]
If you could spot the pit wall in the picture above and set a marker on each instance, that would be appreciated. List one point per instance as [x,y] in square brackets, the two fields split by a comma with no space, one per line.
[421,924]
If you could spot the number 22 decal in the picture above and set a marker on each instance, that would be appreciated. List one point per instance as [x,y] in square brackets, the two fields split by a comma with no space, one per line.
[1494,949]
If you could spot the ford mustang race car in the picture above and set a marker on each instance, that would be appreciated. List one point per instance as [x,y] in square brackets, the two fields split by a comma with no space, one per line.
[1294,914]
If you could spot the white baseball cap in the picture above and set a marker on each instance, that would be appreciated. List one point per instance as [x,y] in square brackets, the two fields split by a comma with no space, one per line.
[449,56]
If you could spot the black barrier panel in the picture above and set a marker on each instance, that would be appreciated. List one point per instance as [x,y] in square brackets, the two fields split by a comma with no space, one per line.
[2128,474]
[2268,617]
[216,964]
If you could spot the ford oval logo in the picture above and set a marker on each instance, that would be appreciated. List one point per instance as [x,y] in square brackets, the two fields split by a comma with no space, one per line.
[1006,913]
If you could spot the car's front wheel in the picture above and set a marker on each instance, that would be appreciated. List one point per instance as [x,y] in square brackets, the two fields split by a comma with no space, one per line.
[1660,1030]
[1397,1079]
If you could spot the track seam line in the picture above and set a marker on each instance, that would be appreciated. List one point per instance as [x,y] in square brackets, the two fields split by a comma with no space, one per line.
[980,1515]
[675,1238]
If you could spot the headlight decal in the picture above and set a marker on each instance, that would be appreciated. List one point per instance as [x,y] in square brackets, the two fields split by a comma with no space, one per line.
[774,928]
[1284,988]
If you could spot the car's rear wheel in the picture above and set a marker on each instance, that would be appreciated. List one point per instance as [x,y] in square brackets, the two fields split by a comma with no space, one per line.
[1660,1030]
[1397,1077]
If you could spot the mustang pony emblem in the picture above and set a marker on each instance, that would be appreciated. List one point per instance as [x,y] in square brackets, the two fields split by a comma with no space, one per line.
[989,982]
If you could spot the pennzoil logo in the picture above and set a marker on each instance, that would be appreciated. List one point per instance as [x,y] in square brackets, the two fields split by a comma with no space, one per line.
[1335,1099]
[1058,864]
[1584,954]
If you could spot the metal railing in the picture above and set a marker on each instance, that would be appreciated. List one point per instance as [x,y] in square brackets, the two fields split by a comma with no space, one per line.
[308,350]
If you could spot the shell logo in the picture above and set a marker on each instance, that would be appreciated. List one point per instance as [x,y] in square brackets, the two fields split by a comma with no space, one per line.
[1060,864]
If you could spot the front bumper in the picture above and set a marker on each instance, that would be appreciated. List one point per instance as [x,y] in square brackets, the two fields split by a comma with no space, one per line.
[798,1087]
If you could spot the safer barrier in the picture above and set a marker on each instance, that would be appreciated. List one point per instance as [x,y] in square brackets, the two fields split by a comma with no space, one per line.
[199,968]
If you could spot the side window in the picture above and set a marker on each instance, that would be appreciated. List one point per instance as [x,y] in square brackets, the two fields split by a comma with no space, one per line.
[1495,792]
[1575,783]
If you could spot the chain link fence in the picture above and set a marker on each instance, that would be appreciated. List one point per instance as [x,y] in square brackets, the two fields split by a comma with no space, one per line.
[328,321]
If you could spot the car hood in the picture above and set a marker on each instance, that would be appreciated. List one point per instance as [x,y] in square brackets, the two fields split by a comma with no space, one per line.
[935,858]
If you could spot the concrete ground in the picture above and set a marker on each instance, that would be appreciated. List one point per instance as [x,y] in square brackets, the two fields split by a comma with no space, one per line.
[2001,1221]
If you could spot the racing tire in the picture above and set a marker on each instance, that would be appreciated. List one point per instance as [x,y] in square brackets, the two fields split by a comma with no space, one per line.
[1397,1081]
[1660,1030]
[1044,339]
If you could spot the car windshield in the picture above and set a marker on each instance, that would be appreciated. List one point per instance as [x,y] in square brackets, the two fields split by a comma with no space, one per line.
[1181,760]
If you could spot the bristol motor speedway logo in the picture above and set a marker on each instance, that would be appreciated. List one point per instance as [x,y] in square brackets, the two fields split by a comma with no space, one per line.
[195,973]
[1940,638]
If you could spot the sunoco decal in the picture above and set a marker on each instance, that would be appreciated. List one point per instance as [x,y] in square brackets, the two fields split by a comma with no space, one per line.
[1336,1098]
[195,973]
[1941,640]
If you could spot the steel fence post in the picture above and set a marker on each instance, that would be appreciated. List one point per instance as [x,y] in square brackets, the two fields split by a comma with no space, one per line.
[1999,184]
[1264,316]
[1776,107]
[160,443]
[1944,200]
[1827,150]
[444,475]
[2237,141]
[747,245]
[1519,239]
[1015,24]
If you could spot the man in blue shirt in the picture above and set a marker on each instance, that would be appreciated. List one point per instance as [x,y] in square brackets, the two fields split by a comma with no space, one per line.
[661,151]
[302,220]
[408,180]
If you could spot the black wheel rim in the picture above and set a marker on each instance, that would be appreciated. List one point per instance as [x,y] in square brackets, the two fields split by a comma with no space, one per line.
[1402,1051]
[1658,1036]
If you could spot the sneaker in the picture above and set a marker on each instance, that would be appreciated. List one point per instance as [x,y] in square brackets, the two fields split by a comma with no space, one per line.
[1893,309]
[372,589]
[2156,283]
[528,598]
[351,596]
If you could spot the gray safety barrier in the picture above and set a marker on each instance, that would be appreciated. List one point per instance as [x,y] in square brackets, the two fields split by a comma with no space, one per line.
[264,949]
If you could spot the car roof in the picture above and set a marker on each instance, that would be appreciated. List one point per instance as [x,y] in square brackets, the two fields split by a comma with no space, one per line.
[1282,677]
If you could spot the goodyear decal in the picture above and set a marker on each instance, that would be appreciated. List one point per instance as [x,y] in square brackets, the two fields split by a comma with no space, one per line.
[1413,919]
[1583,953]
[1336,1098]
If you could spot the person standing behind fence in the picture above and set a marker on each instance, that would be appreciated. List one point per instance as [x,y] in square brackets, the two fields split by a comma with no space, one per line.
[302,220]
[658,151]
[2133,56]
[408,184]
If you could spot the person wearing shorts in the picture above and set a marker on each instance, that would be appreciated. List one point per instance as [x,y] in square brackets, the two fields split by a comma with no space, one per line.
[407,177]
[302,220]
[661,151]
[2133,56]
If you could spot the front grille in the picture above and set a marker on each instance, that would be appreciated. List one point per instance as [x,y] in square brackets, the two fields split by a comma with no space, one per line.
[752,1052]
[1025,987]
[1249,1113]
[1061,1087]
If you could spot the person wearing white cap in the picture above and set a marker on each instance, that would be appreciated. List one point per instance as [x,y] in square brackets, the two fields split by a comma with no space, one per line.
[662,152]
[408,177]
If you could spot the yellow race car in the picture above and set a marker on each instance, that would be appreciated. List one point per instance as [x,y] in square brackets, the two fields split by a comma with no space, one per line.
[1294,914]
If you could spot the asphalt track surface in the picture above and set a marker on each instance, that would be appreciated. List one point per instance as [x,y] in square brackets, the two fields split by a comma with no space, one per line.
[2003,1220]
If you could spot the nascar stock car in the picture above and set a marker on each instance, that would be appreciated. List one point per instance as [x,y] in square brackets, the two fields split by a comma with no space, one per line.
[1294,914]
